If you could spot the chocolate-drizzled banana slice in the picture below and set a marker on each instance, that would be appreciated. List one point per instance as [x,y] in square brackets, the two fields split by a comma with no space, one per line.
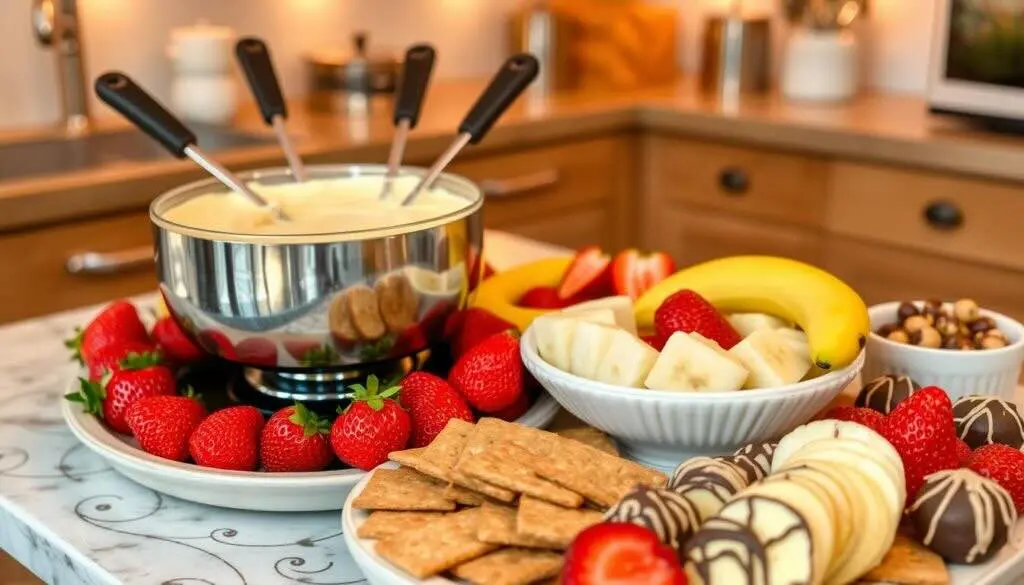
[833,429]
[669,515]
[755,459]
[888,479]
[707,497]
[712,469]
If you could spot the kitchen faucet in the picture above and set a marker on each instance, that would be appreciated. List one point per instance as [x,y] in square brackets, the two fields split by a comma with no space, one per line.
[56,25]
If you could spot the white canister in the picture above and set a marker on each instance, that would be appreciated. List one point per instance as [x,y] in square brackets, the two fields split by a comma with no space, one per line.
[201,49]
[209,99]
[820,65]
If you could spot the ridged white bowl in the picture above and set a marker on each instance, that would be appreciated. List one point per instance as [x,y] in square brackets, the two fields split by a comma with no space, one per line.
[661,429]
[990,372]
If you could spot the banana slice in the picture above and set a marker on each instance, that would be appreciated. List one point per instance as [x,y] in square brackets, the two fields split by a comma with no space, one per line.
[888,480]
[747,323]
[796,339]
[833,429]
[770,359]
[686,364]
[622,306]
[627,361]
[554,334]
[590,342]
[706,496]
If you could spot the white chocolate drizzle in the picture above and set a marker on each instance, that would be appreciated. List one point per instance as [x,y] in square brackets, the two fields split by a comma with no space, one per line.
[980,408]
[888,385]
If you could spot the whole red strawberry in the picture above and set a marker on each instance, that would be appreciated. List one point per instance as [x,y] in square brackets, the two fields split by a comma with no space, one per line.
[228,439]
[1004,465]
[687,311]
[139,376]
[431,402]
[163,424]
[117,322]
[655,341]
[295,439]
[518,409]
[872,419]
[175,344]
[371,427]
[963,452]
[543,297]
[467,328]
[107,359]
[490,376]
[922,431]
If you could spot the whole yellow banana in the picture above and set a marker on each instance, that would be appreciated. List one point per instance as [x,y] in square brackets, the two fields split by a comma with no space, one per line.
[499,293]
[831,313]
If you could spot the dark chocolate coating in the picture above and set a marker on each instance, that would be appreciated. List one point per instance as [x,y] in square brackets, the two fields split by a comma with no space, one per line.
[754,459]
[707,469]
[946,520]
[669,515]
[981,420]
[885,392]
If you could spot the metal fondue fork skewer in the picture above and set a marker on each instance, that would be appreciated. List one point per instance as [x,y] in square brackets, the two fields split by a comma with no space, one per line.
[516,73]
[118,91]
[416,70]
[254,59]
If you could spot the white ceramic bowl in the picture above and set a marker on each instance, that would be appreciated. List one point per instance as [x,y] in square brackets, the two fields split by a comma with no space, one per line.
[992,372]
[660,428]
[244,490]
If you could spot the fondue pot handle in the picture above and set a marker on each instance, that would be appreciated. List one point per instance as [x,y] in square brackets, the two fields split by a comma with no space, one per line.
[416,69]
[254,58]
[515,74]
[118,91]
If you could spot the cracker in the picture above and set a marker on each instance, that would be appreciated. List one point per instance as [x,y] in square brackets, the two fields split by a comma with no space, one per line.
[383,523]
[402,490]
[364,310]
[506,465]
[591,436]
[445,451]
[464,496]
[398,301]
[436,546]
[510,566]
[909,563]
[598,476]
[549,523]
[416,459]
[498,526]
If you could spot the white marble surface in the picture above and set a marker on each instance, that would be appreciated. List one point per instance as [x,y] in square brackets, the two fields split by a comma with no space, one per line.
[71,519]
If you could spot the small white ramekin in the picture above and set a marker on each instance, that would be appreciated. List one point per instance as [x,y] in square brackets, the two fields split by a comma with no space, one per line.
[662,429]
[990,372]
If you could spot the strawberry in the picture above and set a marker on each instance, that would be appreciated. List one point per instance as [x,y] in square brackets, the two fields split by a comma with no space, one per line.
[654,341]
[409,341]
[175,343]
[633,273]
[163,424]
[588,275]
[295,439]
[518,408]
[922,431]
[228,439]
[1004,465]
[117,322]
[872,419]
[543,297]
[257,351]
[465,329]
[963,452]
[431,402]
[620,554]
[139,375]
[371,427]
[107,359]
[689,312]
[217,343]
[490,376]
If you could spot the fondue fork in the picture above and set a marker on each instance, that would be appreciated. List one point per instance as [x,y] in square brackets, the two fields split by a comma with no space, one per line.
[118,91]
[516,73]
[416,69]
[254,59]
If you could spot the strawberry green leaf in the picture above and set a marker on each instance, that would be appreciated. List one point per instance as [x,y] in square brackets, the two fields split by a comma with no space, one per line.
[375,402]
[311,423]
[90,395]
[74,343]
[141,361]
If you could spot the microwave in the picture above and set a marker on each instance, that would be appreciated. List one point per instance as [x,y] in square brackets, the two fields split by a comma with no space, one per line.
[977,60]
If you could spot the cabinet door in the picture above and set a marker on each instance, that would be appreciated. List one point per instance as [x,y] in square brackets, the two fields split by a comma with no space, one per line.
[693,235]
[572,229]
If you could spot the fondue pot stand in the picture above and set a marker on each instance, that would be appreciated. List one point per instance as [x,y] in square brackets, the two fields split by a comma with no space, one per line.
[306,315]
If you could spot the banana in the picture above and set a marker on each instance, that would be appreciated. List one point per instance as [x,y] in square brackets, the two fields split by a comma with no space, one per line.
[621,305]
[590,343]
[555,332]
[747,323]
[499,293]
[688,365]
[627,361]
[771,360]
[831,313]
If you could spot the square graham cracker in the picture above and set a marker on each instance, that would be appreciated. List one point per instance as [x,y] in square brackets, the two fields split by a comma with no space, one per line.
[384,523]
[590,436]
[402,489]
[552,524]
[498,526]
[436,546]
[510,566]
[506,465]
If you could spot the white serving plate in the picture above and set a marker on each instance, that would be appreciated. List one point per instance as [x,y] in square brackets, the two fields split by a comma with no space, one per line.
[244,490]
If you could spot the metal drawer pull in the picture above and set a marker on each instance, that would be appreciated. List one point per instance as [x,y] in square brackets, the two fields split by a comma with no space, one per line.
[521,184]
[99,263]
[944,215]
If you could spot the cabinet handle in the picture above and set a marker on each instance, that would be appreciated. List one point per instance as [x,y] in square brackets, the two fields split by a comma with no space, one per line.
[521,184]
[734,181]
[102,263]
[944,215]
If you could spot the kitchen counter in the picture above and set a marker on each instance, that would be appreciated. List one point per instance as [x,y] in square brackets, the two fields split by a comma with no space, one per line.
[879,128]
[71,519]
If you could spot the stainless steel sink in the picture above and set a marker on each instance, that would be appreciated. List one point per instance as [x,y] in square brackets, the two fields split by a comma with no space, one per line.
[20,160]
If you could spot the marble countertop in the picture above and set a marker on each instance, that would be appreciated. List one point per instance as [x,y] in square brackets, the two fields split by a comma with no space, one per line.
[70,518]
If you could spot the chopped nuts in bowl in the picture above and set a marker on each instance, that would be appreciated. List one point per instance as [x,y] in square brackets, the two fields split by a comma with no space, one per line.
[957,346]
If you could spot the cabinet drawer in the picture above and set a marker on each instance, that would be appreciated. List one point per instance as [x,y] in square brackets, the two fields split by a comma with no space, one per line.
[691,235]
[35,265]
[573,229]
[785,187]
[950,216]
[882,273]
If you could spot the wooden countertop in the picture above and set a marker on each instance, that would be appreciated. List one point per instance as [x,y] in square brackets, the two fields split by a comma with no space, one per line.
[880,128]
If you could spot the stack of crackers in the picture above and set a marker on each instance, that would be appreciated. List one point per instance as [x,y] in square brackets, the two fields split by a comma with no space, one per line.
[494,503]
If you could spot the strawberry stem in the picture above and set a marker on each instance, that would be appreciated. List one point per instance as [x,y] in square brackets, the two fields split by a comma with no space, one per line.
[371,394]
[90,395]
[140,361]
[311,423]
[74,343]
